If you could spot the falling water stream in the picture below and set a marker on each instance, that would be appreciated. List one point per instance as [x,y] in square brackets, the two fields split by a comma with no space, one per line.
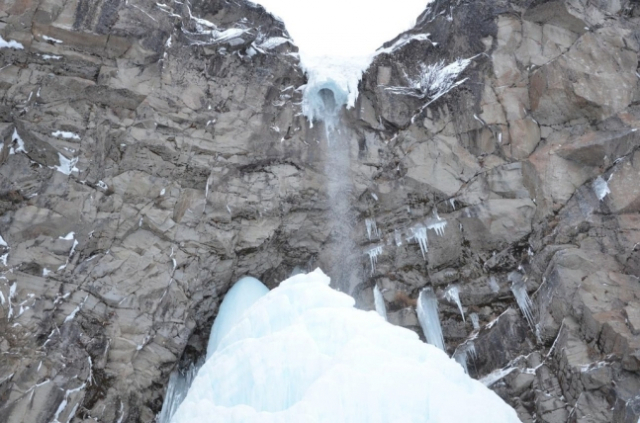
[324,105]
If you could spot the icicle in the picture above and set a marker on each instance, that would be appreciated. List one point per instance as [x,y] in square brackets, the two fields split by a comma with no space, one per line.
[475,321]
[179,383]
[428,316]
[373,257]
[420,235]
[524,302]
[378,300]
[464,353]
[453,294]
[438,227]
[493,284]
[372,228]
[398,237]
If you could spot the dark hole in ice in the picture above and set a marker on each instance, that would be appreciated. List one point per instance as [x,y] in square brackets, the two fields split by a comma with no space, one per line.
[328,98]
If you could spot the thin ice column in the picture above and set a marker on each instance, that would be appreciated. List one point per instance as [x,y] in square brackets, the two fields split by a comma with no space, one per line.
[429,319]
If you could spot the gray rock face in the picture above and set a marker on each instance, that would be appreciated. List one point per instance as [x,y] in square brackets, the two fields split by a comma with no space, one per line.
[152,154]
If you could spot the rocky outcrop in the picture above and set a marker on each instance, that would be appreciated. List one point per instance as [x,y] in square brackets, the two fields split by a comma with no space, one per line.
[531,163]
[152,154]
[144,169]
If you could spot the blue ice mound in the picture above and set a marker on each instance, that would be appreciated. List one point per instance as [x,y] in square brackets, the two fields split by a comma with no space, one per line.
[303,354]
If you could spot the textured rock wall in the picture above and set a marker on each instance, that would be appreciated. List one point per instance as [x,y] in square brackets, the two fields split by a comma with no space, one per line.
[184,170]
[169,140]
[532,163]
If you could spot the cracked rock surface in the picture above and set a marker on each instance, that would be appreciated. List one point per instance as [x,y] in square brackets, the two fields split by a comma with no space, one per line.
[153,153]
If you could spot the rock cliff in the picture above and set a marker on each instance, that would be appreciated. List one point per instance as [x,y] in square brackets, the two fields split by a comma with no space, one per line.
[154,153]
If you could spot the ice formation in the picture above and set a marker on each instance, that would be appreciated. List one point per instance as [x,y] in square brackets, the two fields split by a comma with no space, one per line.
[464,354]
[420,235]
[303,353]
[240,297]
[434,80]
[372,228]
[66,165]
[335,48]
[179,383]
[475,321]
[453,294]
[378,301]
[601,188]
[427,311]
[519,289]
[373,256]
[438,227]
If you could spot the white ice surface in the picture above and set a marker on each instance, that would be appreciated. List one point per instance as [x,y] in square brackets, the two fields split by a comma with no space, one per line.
[240,297]
[304,354]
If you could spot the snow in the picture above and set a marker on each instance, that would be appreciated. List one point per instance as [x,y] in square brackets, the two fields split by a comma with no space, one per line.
[51,57]
[271,43]
[15,137]
[378,301]
[66,135]
[601,188]
[3,243]
[402,41]
[65,400]
[240,297]
[335,48]
[493,284]
[438,227]
[69,236]
[427,311]
[434,80]
[53,40]
[66,165]
[10,44]
[303,353]
[75,311]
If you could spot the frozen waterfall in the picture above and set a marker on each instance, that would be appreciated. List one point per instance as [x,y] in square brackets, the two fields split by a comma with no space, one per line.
[428,317]
[303,354]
